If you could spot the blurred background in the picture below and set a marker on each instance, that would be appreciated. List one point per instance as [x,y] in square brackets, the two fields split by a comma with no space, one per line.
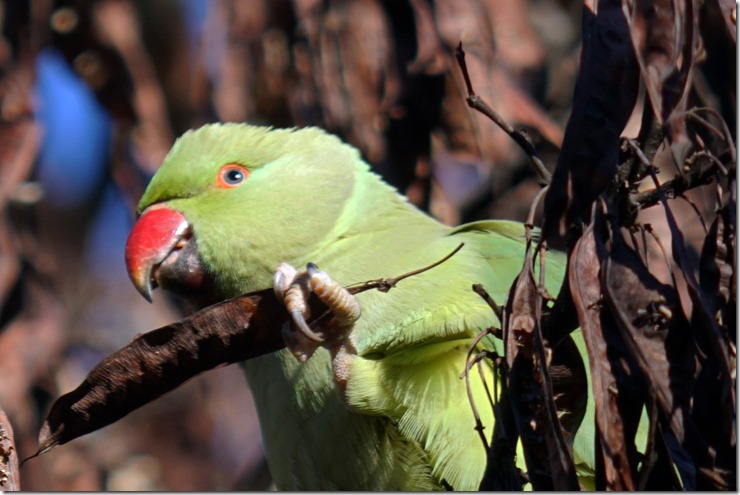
[92,95]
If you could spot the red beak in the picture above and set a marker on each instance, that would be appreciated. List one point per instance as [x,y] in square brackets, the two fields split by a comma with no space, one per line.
[158,232]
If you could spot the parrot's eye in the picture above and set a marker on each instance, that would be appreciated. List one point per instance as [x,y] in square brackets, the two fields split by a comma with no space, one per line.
[232,175]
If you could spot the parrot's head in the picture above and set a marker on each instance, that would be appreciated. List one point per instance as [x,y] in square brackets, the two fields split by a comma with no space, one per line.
[232,201]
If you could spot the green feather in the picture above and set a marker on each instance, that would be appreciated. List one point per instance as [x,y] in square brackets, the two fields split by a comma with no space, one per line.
[406,423]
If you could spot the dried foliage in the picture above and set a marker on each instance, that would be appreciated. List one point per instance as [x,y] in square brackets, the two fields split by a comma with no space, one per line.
[653,291]
[549,463]
[665,346]
[614,381]
[604,96]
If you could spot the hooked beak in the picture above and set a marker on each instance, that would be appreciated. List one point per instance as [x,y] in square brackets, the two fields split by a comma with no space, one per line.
[158,234]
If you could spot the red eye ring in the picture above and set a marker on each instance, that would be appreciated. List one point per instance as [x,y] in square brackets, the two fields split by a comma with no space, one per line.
[231,175]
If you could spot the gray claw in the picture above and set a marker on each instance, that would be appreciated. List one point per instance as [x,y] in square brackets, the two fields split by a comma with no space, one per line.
[300,323]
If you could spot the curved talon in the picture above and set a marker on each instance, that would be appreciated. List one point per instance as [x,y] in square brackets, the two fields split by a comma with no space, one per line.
[300,323]
[312,268]
[296,298]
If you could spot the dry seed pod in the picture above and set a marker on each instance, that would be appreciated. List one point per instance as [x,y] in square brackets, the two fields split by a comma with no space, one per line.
[159,361]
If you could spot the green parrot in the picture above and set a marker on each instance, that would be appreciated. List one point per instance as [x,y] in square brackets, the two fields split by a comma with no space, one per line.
[375,400]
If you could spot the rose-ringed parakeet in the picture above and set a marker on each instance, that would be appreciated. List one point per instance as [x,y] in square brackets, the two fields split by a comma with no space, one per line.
[376,401]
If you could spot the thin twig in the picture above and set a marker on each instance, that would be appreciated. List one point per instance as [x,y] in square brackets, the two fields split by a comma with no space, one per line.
[476,103]
[386,284]
[541,289]
[478,422]
[706,124]
[529,224]
[498,310]
[382,284]
[673,187]
[473,345]
[483,380]
[690,161]
[726,130]
[470,361]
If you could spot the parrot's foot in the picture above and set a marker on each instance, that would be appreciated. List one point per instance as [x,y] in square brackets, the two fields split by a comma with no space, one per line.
[294,289]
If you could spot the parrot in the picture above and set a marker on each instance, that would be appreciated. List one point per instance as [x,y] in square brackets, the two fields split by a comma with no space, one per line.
[373,399]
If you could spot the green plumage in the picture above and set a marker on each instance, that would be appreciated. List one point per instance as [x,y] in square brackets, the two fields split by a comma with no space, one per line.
[407,423]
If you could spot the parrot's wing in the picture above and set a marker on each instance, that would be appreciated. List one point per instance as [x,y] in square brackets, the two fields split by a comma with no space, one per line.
[411,370]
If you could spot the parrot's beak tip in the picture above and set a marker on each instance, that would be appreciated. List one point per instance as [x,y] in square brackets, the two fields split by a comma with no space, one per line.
[146,293]
[142,281]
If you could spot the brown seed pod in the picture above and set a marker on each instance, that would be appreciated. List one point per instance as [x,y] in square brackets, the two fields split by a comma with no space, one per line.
[158,361]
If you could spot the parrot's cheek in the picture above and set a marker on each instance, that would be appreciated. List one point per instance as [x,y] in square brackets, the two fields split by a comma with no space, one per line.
[183,274]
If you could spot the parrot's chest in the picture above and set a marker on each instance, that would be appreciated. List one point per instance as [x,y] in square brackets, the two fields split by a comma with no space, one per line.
[311,439]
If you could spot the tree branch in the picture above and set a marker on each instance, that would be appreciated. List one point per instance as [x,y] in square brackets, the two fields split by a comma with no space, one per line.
[674,187]
[476,103]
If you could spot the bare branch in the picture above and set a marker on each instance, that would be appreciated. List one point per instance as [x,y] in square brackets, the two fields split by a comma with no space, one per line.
[727,135]
[674,187]
[476,103]
[498,310]
[386,284]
